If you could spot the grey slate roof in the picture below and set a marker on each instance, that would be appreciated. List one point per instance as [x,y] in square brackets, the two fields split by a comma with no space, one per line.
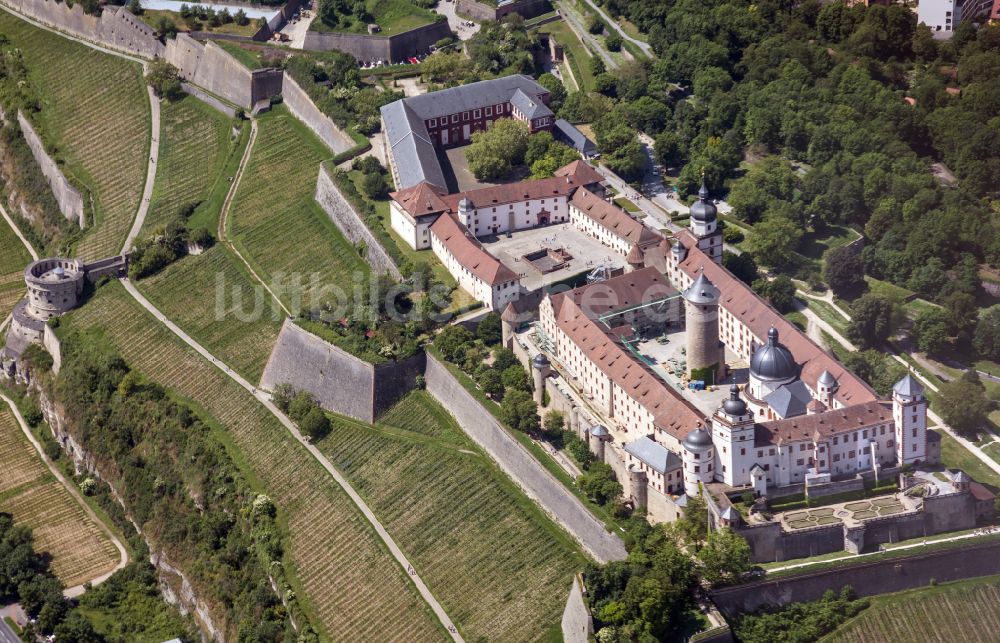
[530,106]
[962,476]
[730,514]
[575,138]
[908,386]
[656,456]
[702,291]
[473,96]
[790,400]
[773,361]
[412,151]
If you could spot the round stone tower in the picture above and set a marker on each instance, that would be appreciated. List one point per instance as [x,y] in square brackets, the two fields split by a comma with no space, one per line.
[638,486]
[598,436]
[697,456]
[53,286]
[635,259]
[702,318]
[540,369]
[508,318]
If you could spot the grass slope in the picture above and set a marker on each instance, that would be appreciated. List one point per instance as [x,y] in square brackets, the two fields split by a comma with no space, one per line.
[499,566]
[194,146]
[352,587]
[79,548]
[96,111]
[961,611]
[239,327]
[276,223]
[13,258]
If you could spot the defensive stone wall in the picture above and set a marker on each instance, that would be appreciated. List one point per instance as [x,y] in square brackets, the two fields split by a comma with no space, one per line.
[869,579]
[481,11]
[115,267]
[341,382]
[116,28]
[839,486]
[51,343]
[69,198]
[577,626]
[209,99]
[949,512]
[349,222]
[369,48]
[302,108]
[212,68]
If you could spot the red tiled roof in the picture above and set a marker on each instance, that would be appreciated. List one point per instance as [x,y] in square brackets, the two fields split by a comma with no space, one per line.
[670,412]
[581,171]
[821,425]
[758,316]
[514,192]
[979,492]
[469,252]
[614,219]
[626,290]
[420,199]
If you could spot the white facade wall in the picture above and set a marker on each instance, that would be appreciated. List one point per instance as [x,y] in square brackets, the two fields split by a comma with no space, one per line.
[734,452]
[590,226]
[494,297]
[498,219]
[910,416]
[939,15]
[416,233]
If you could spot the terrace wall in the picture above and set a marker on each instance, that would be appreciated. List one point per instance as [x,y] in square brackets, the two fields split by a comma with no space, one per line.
[349,222]
[115,28]
[69,198]
[341,382]
[869,579]
[481,11]
[211,67]
[369,48]
[302,108]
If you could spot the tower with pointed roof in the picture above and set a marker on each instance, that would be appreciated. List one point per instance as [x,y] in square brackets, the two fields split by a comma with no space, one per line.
[705,224]
[702,320]
[733,434]
[909,412]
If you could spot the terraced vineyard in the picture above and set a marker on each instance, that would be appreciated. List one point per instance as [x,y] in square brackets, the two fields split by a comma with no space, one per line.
[13,258]
[350,584]
[194,145]
[963,611]
[276,223]
[79,548]
[95,110]
[240,328]
[500,568]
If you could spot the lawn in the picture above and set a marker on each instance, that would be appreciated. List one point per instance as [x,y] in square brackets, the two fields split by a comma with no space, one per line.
[249,59]
[13,258]
[280,229]
[195,142]
[500,567]
[237,324]
[577,56]
[152,16]
[80,549]
[955,456]
[351,586]
[963,610]
[392,16]
[95,112]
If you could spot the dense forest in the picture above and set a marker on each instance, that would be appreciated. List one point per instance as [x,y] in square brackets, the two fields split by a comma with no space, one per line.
[179,484]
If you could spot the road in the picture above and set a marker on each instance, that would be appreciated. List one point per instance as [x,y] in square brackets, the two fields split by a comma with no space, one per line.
[71,592]
[7,635]
[589,41]
[17,231]
[457,23]
[265,400]
[154,157]
[646,49]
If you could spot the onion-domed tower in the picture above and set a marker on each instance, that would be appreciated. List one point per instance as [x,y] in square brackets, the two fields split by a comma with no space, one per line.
[697,457]
[771,367]
[705,224]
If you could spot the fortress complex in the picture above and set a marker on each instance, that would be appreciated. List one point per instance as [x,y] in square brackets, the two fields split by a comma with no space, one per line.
[788,414]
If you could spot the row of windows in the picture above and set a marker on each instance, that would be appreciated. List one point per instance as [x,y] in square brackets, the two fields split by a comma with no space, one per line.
[476,113]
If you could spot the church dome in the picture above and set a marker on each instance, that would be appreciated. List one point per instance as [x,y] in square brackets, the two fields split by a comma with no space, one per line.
[703,210]
[698,440]
[773,361]
[734,405]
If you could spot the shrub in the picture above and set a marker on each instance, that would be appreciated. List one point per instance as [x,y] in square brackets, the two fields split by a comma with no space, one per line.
[613,42]
[164,79]
[33,416]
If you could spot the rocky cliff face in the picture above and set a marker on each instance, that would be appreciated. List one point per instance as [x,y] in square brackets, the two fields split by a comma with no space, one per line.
[175,587]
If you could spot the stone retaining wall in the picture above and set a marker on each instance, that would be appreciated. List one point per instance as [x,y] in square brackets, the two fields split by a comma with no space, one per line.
[349,222]
[212,68]
[881,577]
[302,108]
[481,11]
[341,382]
[540,485]
[209,99]
[69,198]
[369,48]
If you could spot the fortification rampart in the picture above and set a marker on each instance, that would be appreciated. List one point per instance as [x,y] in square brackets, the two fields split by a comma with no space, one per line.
[69,198]
[481,11]
[115,28]
[341,382]
[209,66]
[302,108]
[869,579]
[349,222]
[369,48]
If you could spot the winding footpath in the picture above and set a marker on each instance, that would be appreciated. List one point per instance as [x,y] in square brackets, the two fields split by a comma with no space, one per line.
[122,552]
[154,157]
[224,217]
[265,400]
[644,46]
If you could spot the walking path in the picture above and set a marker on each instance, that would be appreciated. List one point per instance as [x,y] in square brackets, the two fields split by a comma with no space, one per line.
[224,216]
[77,590]
[17,231]
[265,399]
[646,49]
[586,39]
[154,157]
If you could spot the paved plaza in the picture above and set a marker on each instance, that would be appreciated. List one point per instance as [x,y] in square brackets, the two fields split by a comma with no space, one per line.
[588,253]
